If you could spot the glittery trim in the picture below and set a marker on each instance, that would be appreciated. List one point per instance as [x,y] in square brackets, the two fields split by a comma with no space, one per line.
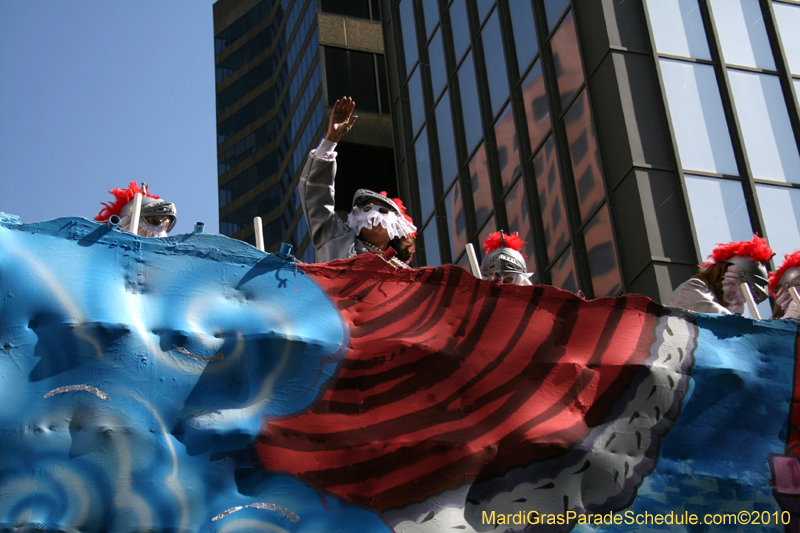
[260,505]
[88,388]
[187,353]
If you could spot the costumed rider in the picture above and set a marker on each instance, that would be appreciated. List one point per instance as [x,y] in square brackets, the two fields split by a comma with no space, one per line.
[375,222]
[717,287]
[156,219]
[787,276]
[503,260]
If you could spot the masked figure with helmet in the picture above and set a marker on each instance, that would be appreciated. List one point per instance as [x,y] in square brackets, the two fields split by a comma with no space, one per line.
[781,284]
[504,260]
[375,223]
[717,287]
[156,218]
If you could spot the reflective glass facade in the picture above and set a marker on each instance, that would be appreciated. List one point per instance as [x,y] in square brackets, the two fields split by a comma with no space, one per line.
[500,135]
[729,73]
[272,94]
[621,139]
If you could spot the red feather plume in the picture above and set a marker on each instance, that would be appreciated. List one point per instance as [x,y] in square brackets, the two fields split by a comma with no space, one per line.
[498,239]
[789,261]
[123,196]
[756,249]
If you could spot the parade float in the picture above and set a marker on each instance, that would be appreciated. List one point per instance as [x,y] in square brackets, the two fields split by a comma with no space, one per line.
[195,383]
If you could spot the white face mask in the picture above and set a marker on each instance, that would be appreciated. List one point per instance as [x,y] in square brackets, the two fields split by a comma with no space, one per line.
[370,216]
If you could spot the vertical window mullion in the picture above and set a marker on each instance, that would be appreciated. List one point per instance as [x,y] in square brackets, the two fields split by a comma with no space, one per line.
[434,158]
[512,74]
[457,125]
[405,163]
[523,139]
[428,98]
[729,107]
[517,103]
[375,74]
[465,179]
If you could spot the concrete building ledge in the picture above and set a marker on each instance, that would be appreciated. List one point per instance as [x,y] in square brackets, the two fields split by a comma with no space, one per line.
[357,34]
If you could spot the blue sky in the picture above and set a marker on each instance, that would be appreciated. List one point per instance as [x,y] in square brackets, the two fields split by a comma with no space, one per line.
[96,93]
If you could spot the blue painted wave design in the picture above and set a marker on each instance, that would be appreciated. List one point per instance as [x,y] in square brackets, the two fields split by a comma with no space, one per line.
[134,374]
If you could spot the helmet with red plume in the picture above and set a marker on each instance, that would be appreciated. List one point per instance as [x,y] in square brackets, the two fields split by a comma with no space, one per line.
[503,255]
[788,275]
[747,257]
[157,216]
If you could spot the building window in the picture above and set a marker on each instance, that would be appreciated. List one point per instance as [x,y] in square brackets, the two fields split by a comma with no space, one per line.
[701,130]
[780,207]
[567,60]
[602,255]
[764,120]
[489,228]
[524,33]
[229,35]
[363,9]
[719,211]
[551,199]
[584,155]
[484,6]
[751,91]
[406,9]
[678,28]
[481,186]
[563,272]
[460,26]
[553,10]
[507,147]
[427,199]
[742,34]
[519,221]
[437,64]
[431,244]
[415,101]
[431,13]
[447,143]
[456,221]
[788,17]
[535,100]
[247,51]
[495,66]
[470,106]
[355,74]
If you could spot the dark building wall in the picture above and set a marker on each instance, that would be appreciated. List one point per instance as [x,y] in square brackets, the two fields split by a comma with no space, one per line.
[274,94]
[652,226]
[269,112]
[354,66]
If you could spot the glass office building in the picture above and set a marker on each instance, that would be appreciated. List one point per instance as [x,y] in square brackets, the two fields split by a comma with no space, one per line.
[621,139]
[280,65]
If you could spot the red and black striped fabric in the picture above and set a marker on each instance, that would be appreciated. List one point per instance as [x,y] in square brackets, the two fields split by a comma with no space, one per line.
[450,379]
